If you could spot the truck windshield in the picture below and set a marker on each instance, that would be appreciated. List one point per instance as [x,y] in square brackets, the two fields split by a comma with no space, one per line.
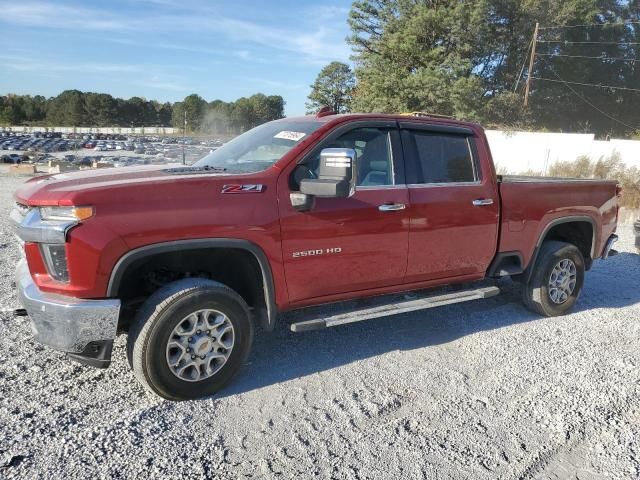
[259,148]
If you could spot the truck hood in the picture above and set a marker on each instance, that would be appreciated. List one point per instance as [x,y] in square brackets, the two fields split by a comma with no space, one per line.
[61,188]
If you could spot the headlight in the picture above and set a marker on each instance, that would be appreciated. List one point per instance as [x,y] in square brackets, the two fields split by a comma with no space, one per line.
[55,258]
[66,213]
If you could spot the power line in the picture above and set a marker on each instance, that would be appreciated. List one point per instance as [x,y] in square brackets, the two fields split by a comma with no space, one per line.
[611,24]
[588,43]
[566,84]
[586,84]
[622,59]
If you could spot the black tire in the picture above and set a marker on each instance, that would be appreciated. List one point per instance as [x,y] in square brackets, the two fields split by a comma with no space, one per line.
[535,293]
[161,313]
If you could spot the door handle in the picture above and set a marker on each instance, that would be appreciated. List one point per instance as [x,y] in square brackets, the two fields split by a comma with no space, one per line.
[392,207]
[483,202]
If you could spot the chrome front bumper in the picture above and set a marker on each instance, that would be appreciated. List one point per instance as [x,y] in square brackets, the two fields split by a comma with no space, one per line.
[73,325]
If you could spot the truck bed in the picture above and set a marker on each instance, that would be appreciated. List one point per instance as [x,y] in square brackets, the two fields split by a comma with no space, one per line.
[531,204]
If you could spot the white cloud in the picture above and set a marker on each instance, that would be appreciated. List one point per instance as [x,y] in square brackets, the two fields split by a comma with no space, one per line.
[319,45]
[37,14]
[158,84]
[275,84]
[328,12]
[28,64]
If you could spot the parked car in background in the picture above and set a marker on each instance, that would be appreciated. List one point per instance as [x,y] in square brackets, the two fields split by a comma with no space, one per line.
[636,229]
[12,158]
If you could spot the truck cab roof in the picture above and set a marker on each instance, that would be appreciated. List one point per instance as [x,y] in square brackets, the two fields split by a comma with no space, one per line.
[399,117]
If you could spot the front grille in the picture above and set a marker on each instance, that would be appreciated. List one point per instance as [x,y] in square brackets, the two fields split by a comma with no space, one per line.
[17,215]
[22,208]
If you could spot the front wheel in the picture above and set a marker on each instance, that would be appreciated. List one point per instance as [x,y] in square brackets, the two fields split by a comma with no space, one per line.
[556,281]
[189,338]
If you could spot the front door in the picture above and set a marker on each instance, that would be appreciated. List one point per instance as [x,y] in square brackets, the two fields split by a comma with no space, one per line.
[343,245]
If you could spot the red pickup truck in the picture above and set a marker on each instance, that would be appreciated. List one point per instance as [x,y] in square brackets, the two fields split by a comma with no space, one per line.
[296,212]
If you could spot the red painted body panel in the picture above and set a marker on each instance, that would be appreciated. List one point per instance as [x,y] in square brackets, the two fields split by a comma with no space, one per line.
[451,237]
[440,238]
[528,207]
[373,244]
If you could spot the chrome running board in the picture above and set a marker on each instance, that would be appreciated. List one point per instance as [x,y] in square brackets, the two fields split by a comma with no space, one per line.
[395,308]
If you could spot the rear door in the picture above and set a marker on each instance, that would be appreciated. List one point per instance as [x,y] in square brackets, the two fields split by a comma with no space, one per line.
[454,205]
[347,244]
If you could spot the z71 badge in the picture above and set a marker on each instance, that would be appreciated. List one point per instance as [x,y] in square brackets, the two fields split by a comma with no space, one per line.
[247,188]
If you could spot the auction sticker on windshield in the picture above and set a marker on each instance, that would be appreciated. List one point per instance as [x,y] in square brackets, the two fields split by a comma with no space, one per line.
[288,135]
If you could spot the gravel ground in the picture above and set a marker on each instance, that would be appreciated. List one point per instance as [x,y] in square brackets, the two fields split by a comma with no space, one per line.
[482,390]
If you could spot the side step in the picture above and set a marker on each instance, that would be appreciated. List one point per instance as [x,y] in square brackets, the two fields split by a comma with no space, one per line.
[395,308]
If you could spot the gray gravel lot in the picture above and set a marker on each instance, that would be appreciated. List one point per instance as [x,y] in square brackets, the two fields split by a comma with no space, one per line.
[482,390]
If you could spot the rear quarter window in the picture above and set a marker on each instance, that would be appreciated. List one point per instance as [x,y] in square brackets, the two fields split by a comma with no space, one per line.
[438,158]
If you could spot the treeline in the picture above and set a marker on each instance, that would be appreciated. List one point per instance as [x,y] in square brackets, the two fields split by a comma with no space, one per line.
[227,117]
[470,60]
[73,108]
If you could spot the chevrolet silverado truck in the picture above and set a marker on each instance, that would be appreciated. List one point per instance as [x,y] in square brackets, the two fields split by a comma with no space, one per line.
[298,212]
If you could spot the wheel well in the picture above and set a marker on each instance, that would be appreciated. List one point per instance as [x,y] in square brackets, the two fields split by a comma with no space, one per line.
[578,233]
[236,268]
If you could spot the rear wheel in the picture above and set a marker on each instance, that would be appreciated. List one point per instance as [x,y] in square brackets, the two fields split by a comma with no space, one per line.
[189,339]
[556,281]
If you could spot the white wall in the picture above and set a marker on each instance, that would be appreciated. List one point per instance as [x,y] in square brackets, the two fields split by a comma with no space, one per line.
[518,152]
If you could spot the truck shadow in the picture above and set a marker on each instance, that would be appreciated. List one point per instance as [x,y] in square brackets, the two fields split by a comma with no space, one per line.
[283,355]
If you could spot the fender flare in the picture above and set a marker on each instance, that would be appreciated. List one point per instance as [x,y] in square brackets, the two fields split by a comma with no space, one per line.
[553,223]
[121,266]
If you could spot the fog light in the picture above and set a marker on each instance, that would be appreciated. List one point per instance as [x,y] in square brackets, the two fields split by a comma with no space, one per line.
[55,257]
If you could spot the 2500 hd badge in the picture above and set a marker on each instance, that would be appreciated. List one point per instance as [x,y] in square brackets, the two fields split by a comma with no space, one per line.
[313,253]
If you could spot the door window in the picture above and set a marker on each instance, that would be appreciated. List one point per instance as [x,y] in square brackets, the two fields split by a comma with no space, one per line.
[439,158]
[374,157]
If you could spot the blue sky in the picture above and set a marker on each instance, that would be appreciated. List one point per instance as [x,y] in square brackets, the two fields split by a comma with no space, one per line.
[167,49]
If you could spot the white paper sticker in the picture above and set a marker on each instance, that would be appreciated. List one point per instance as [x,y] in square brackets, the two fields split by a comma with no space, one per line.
[287,135]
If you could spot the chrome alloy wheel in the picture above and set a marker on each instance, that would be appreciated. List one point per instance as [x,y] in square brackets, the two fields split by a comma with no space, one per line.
[200,345]
[562,281]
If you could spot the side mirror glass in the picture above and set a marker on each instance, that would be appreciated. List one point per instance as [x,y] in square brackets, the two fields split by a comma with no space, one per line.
[335,174]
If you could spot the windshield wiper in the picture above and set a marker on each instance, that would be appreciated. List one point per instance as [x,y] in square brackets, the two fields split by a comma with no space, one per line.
[187,170]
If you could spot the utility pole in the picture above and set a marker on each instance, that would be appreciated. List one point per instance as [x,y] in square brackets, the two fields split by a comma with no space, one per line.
[184,134]
[531,60]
